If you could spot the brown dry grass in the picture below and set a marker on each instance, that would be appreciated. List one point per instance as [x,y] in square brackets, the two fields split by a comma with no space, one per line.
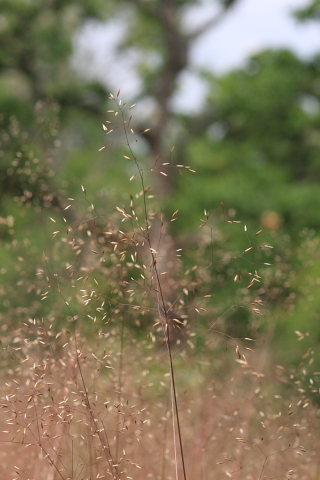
[248,424]
[89,394]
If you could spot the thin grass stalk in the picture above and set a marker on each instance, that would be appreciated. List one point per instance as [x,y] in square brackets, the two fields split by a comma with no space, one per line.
[40,444]
[112,465]
[164,442]
[120,384]
[104,444]
[174,433]
[164,316]
[72,460]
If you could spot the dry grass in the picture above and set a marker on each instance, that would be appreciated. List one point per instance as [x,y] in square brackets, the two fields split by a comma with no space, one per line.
[65,418]
[111,384]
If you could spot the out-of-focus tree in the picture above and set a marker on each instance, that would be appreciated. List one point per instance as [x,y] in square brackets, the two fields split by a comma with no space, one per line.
[310,12]
[257,143]
[36,44]
[156,29]
[256,147]
[40,99]
[38,88]
[254,144]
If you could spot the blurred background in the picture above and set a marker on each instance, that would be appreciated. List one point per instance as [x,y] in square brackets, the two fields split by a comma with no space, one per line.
[233,85]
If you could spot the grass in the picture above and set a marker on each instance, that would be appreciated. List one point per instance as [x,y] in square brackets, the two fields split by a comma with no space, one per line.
[134,373]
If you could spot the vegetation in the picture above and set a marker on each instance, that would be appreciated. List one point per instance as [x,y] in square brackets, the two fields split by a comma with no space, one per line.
[159,275]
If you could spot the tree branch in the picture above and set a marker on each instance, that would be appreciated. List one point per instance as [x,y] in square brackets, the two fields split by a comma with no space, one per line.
[213,21]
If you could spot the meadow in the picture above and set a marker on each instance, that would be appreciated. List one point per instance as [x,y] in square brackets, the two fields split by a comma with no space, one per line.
[130,352]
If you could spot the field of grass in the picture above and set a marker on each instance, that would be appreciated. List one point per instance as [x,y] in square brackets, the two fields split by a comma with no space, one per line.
[139,367]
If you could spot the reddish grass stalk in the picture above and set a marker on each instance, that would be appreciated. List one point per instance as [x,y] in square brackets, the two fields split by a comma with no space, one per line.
[104,442]
[161,304]
[47,454]
[119,388]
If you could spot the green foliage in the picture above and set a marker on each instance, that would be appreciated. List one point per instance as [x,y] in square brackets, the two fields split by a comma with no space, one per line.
[259,152]
[311,12]
[255,147]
